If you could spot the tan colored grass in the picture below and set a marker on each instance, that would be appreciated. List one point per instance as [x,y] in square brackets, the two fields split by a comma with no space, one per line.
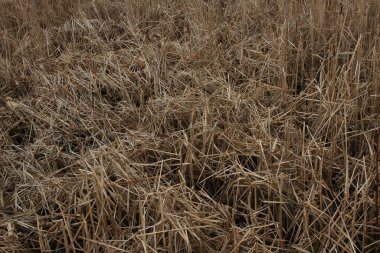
[189,126]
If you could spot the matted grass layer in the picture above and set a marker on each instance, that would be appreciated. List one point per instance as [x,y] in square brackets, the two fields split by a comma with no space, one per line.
[189,126]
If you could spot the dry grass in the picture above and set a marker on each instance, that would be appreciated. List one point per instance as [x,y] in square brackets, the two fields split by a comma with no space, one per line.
[189,126]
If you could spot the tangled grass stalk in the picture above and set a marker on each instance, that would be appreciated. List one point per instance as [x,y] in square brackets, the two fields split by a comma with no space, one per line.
[189,126]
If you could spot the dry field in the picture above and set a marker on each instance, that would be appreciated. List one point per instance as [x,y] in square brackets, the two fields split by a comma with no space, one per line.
[189,126]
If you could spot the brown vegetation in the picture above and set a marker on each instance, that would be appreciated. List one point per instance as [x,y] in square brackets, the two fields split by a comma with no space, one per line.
[189,126]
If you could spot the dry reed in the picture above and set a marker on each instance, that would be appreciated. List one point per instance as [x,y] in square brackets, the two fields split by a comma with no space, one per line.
[189,126]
